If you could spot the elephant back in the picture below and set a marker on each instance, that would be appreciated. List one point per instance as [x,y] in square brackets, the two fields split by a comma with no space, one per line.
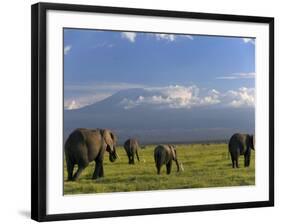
[131,143]
[76,148]
[76,137]
[127,144]
[239,141]
[134,143]
[161,154]
[84,144]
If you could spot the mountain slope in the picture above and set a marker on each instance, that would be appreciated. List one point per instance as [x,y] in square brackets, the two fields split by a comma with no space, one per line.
[155,123]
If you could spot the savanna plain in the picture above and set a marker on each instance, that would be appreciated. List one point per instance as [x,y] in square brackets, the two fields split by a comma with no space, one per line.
[203,166]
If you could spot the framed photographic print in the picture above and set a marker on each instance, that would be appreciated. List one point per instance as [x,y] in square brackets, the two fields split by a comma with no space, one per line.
[140,111]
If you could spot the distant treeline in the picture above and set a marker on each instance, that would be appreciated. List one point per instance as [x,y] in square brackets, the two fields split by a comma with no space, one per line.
[203,142]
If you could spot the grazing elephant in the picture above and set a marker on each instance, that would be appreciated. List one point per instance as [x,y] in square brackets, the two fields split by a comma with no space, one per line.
[85,145]
[131,147]
[241,144]
[165,154]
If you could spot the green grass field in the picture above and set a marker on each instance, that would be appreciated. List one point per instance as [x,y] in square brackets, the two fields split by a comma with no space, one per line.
[205,165]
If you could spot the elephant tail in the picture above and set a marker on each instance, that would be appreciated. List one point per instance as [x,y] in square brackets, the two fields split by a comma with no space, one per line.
[130,144]
[130,148]
[67,144]
[67,150]
[228,150]
[155,157]
[158,158]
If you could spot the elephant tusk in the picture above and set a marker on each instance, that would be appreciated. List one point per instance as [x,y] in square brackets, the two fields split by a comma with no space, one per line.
[118,157]
[181,166]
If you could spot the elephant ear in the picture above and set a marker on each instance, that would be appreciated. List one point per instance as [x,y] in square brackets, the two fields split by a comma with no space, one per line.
[173,151]
[108,137]
[113,137]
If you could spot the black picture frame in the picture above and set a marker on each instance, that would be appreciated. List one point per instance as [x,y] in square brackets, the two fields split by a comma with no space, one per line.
[38,108]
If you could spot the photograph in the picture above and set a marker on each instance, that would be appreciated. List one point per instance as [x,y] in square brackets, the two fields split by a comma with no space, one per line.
[146,111]
[137,105]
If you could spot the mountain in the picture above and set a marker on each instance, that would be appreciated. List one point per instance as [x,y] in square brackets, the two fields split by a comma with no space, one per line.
[129,115]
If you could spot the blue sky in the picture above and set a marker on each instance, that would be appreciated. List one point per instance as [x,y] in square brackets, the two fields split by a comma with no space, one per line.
[98,64]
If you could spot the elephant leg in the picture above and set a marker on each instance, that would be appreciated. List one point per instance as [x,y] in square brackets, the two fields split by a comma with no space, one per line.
[78,172]
[237,163]
[70,167]
[237,159]
[129,157]
[98,170]
[247,160]
[234,158]
[137,154]
[233,162]
[133,158]
[169,167]
[158,167]
[101,174]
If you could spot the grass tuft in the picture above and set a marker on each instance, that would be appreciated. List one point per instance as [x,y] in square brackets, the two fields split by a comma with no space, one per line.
[204,166]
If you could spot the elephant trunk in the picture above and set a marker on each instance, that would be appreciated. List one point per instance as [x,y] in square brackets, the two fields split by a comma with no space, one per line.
[113,155]
[117,156]
[177,163]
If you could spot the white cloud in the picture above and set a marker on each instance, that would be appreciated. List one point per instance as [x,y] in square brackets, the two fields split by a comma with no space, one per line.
[174,96]
[191,96]
[213,97]
[67,49]
[243,97]
[188,37]
[81,95]
[249,75]
[169,37]
[131,36]
[249,40]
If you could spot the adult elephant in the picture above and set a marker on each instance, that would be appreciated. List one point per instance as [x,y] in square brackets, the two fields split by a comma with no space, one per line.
[165,154]
[241,144]
[85,145]
[131,147]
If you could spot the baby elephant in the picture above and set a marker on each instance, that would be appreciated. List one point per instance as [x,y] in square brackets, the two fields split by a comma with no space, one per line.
[164,154]
[131,147]
[241,144]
